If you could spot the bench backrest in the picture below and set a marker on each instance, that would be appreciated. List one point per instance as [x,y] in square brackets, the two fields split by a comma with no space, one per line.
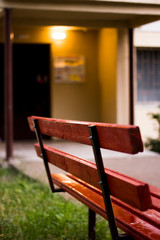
[115,137]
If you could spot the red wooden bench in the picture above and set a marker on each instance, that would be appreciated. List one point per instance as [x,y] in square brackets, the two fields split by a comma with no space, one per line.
[127,203]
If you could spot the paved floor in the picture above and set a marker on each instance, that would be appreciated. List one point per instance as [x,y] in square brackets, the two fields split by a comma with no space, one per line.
[143,166]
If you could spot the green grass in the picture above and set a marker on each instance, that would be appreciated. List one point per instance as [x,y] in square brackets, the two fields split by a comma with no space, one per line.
[29,211]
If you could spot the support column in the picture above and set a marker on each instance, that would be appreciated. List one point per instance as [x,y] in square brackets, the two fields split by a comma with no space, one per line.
[123,95]
[8,85]
[131,75]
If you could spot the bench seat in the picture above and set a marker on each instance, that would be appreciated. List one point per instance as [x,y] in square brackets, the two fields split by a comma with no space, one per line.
[140,225]
[128,203]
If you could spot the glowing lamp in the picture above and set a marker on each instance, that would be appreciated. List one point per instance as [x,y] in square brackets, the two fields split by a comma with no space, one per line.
[59,35]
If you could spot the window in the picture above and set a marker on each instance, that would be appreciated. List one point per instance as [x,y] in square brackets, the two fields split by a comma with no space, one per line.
[148,75]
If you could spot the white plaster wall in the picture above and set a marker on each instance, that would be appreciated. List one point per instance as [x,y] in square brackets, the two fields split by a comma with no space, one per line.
[147,36]
[147,39]
[123,77]
[147,125]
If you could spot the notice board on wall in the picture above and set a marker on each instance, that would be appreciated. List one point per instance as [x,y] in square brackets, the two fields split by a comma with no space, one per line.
[69,69]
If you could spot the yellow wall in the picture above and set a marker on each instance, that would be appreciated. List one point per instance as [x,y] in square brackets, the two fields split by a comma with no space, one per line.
[78,101]
[31,35]
[107,74]
[73,101]
[95,99]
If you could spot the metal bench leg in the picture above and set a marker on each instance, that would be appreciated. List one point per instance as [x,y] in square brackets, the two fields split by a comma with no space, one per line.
[91,224]
[104,186]
[44,156]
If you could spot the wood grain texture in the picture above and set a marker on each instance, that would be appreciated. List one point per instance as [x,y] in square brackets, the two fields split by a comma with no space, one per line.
[140,225]
[155,197]
[127,189]
[115,137]
[136,205]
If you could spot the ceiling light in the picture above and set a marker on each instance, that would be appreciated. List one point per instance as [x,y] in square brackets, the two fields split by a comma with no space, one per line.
[58,35]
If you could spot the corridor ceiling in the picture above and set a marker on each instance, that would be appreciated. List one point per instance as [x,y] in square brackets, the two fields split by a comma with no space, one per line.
[88,13]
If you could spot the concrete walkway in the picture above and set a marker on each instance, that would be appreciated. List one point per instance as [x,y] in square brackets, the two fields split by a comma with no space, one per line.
[143,166]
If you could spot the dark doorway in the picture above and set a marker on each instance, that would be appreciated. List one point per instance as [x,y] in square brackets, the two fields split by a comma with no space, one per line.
[31,68]
[31,85]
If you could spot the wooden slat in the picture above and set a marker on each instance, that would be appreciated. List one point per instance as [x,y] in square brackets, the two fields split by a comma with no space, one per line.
[155,197]
[151,215]
[155,191]
[129,190]
[140,225]
[116,137]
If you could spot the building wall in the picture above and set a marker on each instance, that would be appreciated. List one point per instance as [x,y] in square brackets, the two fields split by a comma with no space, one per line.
[73,101]
[95,99]
[107,74]
[78,101]
[146,38]
[32,35]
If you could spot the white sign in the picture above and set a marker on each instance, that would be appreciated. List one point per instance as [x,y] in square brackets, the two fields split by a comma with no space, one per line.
[69,69]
